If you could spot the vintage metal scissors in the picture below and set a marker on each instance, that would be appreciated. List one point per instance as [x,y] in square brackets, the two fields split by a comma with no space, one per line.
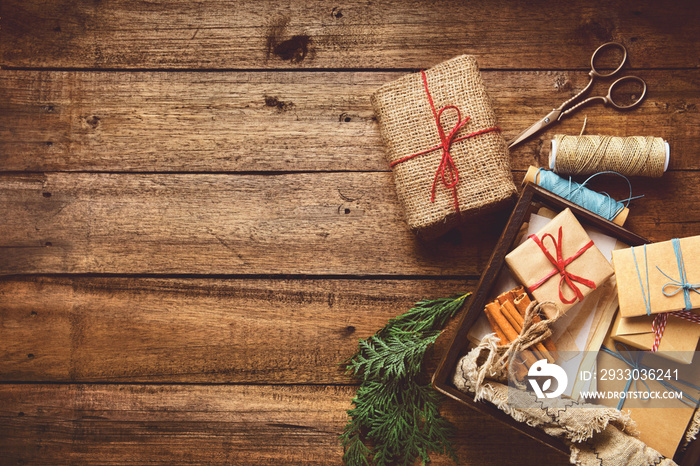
[566,108]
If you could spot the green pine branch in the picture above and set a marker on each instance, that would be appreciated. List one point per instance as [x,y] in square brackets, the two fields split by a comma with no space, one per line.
[391,357]
[395,418]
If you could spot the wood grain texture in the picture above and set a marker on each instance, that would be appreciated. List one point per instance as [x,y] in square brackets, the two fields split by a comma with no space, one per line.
[330,223]
[210,34]
[185,424]
[285,331]
[324,223]
[232,142]
[286,121]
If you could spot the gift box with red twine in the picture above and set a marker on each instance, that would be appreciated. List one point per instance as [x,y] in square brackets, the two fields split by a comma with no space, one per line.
[446,152]
[559,263]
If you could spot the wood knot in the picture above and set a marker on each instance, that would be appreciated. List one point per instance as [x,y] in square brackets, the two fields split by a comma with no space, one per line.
[562,83]
[602,29]
[93,121]
[336,13]
[280,105]
[294,50]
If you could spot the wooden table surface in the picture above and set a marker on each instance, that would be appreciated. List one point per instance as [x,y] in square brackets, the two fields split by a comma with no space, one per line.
[198,222]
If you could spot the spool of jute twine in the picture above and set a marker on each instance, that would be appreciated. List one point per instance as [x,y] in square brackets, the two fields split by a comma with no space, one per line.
[630,156]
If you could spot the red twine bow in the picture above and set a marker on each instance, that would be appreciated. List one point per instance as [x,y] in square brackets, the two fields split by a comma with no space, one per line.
[447,171]
[560,267]
[659,324]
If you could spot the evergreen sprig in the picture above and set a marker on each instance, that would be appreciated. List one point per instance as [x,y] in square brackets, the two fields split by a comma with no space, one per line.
[395,418]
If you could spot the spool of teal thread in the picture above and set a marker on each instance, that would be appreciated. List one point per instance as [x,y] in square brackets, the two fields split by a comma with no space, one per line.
[598,203]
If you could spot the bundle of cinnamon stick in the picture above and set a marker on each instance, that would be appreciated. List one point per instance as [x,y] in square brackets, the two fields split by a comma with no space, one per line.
[506,316]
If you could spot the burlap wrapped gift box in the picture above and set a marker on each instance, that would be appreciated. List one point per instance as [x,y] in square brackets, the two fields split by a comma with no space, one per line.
[409,111]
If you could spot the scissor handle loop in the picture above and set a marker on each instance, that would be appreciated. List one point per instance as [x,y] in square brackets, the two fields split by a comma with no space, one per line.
[603,100]
[623,79]
[594,72]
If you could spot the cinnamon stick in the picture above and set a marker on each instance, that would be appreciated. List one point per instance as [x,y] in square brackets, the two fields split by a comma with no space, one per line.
[520,369]
[494,310]
[510,313]
[522,301]
[549,344]
[496,329]
[504,297]
[508,330]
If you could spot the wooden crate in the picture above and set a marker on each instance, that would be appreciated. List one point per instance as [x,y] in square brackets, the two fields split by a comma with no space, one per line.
[532,198]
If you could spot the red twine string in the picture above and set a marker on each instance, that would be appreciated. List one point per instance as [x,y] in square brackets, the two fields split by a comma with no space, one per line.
[447,171]
[659,324]
[560,267]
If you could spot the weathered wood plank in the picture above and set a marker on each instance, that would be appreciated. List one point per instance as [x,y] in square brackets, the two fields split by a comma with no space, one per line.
[324,223]
[352,34]
[285,331]
[127,424]
[331,223]
[285,121]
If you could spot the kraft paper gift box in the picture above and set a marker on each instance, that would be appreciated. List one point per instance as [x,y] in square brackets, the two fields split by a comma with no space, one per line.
[584,266]
[679,341]
[448,157]
[641,280]
[661,428]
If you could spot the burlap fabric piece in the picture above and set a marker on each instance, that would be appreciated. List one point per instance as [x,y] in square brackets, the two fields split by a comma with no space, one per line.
[408,126]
